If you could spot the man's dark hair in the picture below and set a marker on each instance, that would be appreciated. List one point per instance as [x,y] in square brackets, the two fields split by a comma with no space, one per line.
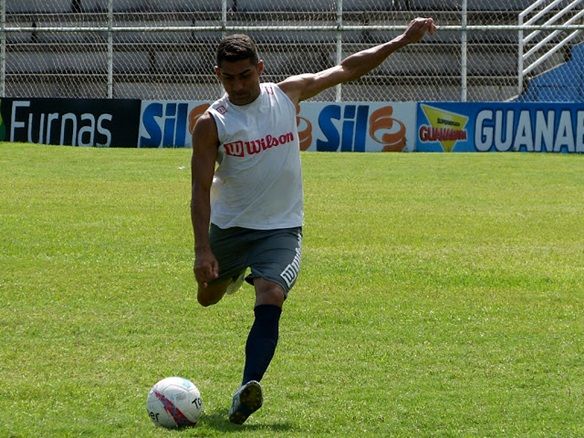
[235,48]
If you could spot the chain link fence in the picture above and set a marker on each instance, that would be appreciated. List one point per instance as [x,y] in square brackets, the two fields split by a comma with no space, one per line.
[165,49]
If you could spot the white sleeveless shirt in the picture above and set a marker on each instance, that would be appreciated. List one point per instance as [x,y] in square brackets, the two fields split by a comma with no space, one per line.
[258,183]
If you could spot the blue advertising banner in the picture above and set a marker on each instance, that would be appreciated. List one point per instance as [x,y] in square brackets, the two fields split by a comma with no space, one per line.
[322,126]
[500,127]
[166,123]
[357,126]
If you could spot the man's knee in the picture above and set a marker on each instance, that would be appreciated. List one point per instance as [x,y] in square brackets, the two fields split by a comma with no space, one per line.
[211,294]
[207,300]
[268,292]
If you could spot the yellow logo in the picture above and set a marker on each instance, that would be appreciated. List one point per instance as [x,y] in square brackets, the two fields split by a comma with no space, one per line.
[445,127]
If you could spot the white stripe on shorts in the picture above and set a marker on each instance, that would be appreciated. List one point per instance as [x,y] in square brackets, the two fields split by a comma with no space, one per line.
[290,273]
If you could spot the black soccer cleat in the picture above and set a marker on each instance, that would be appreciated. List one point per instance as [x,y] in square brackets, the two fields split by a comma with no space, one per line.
[246,400]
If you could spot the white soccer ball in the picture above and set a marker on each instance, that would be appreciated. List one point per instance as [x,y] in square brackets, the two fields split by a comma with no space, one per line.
[174,402]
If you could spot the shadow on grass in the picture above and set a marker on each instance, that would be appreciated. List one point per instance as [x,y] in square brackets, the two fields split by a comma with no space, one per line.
[218,420]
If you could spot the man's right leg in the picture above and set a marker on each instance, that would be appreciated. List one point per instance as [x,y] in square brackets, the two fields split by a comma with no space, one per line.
[212,294]
[229,247]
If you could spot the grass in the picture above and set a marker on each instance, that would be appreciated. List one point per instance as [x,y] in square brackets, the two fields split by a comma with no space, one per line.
[440,295]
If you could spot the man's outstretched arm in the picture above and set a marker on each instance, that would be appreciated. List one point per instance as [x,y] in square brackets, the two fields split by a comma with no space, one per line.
[304,86]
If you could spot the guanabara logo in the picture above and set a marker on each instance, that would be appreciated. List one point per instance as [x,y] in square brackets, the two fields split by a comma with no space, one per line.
[445,127]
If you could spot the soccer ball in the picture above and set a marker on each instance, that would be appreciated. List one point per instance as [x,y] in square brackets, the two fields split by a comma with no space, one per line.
[174,402]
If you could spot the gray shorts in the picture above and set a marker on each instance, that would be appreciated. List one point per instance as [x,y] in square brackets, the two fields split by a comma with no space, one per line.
[273,255]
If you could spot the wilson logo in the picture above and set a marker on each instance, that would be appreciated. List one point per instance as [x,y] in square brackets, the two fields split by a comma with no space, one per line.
[241,148]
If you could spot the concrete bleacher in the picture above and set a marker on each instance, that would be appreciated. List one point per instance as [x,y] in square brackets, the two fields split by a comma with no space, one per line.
[142,57]
[63,6]
[32,7]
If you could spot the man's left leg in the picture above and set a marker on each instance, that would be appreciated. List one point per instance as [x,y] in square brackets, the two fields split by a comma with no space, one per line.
[263,336]
[275,264]
[259,349]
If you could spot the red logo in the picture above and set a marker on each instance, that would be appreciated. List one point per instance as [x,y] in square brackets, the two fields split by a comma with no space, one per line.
[194,115]
[235,149]
[241,148]
[304,132]
[393,131]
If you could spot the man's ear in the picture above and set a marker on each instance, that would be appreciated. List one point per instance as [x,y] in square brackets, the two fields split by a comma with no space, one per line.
[260,66]
[218,71]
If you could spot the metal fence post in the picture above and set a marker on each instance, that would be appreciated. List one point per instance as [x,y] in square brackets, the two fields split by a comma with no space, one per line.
[464,54]
[110,49]
[339,88]
[223,17]
[3,48]
[520,57]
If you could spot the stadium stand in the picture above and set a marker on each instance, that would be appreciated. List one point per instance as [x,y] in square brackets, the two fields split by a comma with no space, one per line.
[564,83]
[143,58]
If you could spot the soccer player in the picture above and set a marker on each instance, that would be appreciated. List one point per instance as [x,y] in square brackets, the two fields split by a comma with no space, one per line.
[247,201]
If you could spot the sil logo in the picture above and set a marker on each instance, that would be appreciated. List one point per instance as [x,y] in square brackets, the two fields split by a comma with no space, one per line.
[349,127]
[165,124]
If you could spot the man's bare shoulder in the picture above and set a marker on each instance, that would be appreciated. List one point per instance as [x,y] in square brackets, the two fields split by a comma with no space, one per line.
[205,130]
[294,85]
[205,121]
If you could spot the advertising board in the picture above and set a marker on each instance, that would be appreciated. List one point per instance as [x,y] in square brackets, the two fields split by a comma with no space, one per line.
[73,122]
[500,127]
[357,126]
[323,126]
[166,123]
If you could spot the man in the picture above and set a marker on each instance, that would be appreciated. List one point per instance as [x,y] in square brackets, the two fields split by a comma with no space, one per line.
[248,212]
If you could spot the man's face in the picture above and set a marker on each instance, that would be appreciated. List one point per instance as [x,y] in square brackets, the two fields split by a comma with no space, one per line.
[241,80]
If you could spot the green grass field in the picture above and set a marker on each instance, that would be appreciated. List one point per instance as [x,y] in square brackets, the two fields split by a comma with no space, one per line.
[440,295]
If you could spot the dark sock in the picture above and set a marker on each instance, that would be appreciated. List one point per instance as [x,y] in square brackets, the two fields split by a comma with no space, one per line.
[261,342]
